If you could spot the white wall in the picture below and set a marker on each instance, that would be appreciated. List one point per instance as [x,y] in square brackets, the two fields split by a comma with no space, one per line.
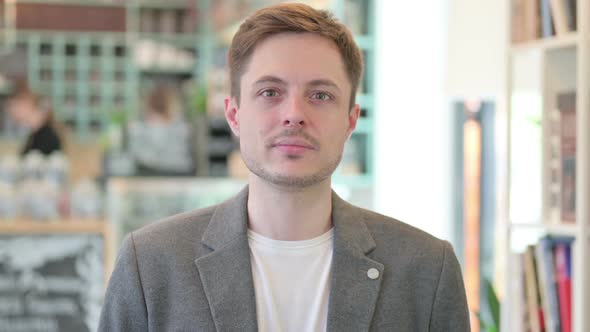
[429,53]
[412,165]
[477,39]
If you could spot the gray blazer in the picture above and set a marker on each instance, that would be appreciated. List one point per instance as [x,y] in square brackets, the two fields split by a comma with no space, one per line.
[191,272]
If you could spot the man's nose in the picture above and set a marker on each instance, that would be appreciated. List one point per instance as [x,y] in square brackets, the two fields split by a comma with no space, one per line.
[294,113]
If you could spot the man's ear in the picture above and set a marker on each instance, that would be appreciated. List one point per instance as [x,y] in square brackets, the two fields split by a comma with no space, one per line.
[231,115]
[353,117]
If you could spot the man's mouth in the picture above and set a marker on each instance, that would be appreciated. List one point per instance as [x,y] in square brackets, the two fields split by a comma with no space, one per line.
[293,145]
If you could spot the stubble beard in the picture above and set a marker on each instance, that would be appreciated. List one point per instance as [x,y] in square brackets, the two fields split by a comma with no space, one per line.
[283,180]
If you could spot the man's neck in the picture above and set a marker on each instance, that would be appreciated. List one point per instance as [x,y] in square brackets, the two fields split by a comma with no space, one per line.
[289,214]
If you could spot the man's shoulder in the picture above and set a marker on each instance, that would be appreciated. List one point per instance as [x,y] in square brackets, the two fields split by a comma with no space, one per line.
[174,230]
[391,231]
[404,246]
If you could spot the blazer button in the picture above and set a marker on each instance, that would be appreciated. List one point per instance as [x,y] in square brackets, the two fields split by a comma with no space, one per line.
[373,273]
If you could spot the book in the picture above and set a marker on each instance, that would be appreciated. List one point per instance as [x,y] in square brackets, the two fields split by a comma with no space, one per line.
[518,314]
[548,283]
[566,103]
[559,10]
[546,19]
[516,21]
[535,311]
[572,14]
[532,25]
[564,284]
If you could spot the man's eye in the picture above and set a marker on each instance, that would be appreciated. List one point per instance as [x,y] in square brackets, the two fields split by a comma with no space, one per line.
[321,96]
[269,93]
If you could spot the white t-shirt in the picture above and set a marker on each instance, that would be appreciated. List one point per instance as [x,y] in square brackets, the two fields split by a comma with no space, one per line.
[291,282]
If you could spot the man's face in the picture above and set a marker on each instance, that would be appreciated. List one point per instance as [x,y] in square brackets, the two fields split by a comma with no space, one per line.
[293,117]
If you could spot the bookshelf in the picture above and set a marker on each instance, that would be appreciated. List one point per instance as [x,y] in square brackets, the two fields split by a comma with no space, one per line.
[544,68]
[85,75]
[90,75]
[567,40]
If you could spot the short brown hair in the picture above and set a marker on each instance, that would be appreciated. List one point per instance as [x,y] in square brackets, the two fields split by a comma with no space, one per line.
[292,17]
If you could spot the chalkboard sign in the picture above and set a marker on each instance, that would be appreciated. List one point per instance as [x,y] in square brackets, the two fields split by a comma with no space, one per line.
[51,282]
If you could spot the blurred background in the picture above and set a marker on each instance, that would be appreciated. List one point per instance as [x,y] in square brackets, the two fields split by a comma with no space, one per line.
[111,117]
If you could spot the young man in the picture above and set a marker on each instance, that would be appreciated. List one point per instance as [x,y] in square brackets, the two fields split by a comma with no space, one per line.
[287,254]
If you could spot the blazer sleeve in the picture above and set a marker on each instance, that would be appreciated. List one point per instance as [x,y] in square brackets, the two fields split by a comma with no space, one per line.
[124,307]
[450,312]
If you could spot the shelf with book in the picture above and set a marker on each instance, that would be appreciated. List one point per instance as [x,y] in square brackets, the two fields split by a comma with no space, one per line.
[570,39]
[543,284]
[535,20]
[545,228]
[59,58]
[88,75]
[77,71]
[548,165]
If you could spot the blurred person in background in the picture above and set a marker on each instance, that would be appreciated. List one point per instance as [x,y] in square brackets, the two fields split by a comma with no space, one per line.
[160,141]
[33,112]
[287,253]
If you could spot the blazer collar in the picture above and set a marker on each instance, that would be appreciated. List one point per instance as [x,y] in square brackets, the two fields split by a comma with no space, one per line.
[350,226]
[227,276]
[353,293]
[230,220]
[226,273]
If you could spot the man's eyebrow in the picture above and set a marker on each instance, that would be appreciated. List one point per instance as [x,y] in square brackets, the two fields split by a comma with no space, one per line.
[313,83]
[324,82]
[269,79]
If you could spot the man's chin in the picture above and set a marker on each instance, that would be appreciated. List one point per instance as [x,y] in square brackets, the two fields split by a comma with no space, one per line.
[292,180]
[296,177]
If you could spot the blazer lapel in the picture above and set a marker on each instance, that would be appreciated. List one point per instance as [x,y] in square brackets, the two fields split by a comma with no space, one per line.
[226,273]
[353,290]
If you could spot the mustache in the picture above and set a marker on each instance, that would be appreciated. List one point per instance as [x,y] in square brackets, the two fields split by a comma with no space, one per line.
[293,132]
